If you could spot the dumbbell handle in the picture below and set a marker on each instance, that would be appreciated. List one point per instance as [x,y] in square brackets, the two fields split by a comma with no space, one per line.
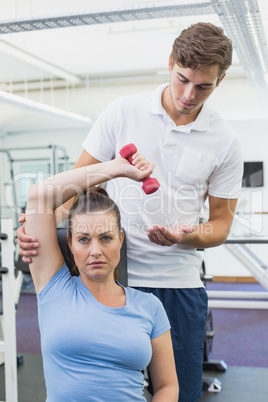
[150,185]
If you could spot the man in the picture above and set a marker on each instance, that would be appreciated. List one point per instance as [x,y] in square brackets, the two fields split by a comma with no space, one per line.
[197,157]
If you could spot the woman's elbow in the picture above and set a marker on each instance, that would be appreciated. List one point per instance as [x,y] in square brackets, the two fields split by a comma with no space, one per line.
[32,194]
[36,199]
[168,393]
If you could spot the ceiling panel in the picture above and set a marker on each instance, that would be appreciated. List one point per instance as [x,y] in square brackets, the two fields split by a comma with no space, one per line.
[97,49]
[115,49]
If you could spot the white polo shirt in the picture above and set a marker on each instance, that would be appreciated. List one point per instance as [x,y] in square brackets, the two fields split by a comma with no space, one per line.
[192,161]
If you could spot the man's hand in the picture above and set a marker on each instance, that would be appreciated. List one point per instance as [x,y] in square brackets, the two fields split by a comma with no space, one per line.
[169,236]
[27,244]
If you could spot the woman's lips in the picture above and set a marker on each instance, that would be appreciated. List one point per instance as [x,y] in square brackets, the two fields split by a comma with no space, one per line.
[96,263]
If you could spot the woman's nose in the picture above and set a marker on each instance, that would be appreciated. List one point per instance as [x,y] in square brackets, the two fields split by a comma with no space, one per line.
[95,249]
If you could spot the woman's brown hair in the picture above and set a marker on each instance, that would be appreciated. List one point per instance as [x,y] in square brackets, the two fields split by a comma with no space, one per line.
[95,199]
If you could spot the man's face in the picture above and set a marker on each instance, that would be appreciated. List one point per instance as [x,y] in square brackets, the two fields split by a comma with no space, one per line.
[189,89]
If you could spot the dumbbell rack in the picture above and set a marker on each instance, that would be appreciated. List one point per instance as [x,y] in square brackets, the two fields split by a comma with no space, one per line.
[8,343]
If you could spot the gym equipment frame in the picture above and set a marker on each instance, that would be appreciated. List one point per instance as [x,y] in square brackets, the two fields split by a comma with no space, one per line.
[253,300]
[10,293]
[54,160]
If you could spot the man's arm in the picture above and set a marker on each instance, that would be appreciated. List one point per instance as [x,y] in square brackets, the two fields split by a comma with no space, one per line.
[210,234]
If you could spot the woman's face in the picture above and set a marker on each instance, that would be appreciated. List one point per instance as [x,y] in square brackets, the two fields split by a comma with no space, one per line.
[95,245]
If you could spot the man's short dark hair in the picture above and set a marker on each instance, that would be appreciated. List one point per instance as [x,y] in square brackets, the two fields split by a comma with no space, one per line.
[202,44]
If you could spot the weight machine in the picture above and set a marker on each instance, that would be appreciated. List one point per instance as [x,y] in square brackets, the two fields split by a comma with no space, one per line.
[57,156]
[54,157]
[238,246]
[11,277]
[11,286]
[210,384]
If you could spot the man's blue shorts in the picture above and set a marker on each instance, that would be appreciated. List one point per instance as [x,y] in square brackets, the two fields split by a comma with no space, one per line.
[187,312]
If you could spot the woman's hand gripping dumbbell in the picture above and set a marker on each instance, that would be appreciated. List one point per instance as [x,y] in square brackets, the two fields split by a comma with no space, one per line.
[150,185]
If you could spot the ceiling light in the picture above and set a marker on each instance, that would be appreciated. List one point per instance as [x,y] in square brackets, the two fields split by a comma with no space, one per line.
[161,10]
[37,62]
[29,104]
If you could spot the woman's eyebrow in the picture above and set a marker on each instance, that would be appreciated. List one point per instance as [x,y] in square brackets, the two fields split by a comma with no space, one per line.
[82,233]
[89,235]
[105,233]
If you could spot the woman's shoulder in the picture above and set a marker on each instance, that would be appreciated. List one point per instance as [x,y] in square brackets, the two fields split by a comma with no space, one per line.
[143,297]
[58,283]
[150,308]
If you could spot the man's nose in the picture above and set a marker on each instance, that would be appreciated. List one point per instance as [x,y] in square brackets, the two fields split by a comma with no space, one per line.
[189,92]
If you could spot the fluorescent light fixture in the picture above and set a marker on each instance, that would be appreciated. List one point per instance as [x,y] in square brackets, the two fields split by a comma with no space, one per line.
[140,12]
[28,104]
[37,62]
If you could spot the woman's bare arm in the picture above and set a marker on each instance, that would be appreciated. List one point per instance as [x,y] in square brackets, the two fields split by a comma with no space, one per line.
[45,197]
[163,371]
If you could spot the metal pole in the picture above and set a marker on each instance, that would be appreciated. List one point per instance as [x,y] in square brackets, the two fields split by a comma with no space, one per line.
[253,264]
[239,304]
[53,163]
[240,294]
[12,180]
[65,156]
[9,344]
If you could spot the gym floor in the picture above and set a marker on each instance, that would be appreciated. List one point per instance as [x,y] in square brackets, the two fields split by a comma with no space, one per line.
[245,384]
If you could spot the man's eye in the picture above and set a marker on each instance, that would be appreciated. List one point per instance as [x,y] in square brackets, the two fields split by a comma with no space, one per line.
[203,87]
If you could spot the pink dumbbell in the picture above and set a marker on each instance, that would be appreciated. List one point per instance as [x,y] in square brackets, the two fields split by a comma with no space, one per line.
[150,185]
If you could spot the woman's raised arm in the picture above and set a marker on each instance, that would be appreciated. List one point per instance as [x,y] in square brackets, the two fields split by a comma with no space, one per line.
[45,197]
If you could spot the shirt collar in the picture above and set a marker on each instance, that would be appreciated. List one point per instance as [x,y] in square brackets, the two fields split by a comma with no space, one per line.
[201,123]
[156,103]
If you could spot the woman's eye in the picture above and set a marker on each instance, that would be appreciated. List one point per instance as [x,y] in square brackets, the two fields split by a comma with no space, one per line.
[106,238]
[83,240]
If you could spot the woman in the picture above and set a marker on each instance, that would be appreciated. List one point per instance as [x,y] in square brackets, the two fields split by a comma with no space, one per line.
[96,336]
